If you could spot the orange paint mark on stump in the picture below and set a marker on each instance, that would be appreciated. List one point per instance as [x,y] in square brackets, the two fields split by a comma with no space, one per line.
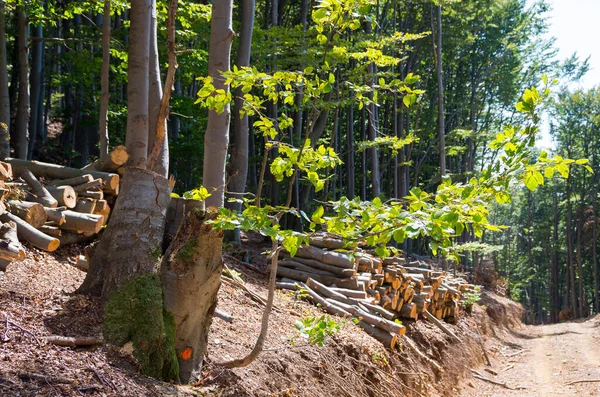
[186,354]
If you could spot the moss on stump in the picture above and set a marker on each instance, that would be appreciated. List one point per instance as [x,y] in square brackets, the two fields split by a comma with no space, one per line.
[134,312]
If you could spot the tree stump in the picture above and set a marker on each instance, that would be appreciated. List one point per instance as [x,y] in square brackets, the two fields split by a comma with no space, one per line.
[191,277]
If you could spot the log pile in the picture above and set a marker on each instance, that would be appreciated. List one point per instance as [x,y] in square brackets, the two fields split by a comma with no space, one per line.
[355,282]
[49,205]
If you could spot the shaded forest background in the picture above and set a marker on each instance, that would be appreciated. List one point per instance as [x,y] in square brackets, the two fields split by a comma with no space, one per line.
[491,50]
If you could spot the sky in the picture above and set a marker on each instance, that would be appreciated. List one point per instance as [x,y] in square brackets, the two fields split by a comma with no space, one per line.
[575,24]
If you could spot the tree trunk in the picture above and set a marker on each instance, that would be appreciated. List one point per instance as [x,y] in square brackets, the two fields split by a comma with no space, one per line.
[104,83]
[36,92]
[161,166]
[555,308]
[440,92]
[216,139]
[191,277]
[350,152]
[238,163]
[4,93]
[23,104]
[569,235]
[138,87]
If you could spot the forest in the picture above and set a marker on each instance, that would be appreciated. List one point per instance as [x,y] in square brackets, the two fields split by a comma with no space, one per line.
[408,127]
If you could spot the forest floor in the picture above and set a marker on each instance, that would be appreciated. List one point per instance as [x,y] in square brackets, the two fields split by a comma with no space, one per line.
[543,361]
[37,299]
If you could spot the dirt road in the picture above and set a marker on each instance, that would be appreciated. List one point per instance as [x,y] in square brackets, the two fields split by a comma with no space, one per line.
[543,361]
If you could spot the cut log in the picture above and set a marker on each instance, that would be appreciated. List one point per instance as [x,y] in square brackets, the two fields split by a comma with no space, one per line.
[65,195]
[372,319]
[350,293]
[41,193]
[56,215]
[85,206]
[377,309]
[74,238]
[54,171]
[302,267]
[50,230]
[329,257]
[320,265]
[93,185]
[409,310]
[78,180]
[96,195]
[6,173]
[77,222]
[328,292]
[10,247]
[82,263]
[116,159]
[101,206]
[386,338]
[31,234]
[32,213]
[326,242]
[70,341]
[324,304]
[350,283]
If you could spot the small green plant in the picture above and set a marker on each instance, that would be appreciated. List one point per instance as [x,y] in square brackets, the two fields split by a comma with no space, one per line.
[471,298]
[317,329]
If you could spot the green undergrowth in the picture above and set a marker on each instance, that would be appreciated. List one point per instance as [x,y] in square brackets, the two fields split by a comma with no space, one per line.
[135,313]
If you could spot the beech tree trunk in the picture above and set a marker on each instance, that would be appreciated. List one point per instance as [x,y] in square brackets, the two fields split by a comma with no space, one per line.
[216,139]
[4,94]
[137,87]
[23,108]
[161,166]
[104,83]
[440,91]
[238,163]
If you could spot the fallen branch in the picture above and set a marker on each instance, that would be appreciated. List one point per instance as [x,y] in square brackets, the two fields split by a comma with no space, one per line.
[582,381]
[223,315]
[441,326]
[72,341]
[25,331]
[45,378]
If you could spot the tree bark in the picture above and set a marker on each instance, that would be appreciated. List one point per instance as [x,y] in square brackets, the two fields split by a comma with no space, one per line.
[216,139]
[138,87]
[440,91]
[161,166]
[4,93]
[238,163]
[37,98]
[104,83]
[191,277]
[554,280]
[159,149]
[23,108]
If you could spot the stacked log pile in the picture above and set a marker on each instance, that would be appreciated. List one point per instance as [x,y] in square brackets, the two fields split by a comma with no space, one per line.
[355,282]
[49,205]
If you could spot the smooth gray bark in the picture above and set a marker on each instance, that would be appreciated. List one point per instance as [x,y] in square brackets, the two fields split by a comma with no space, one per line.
[161,166]
[137,88]
[440,92]
[238,164]
[216,139]
[104,83]
[4,94]
[36,91]
[23,107]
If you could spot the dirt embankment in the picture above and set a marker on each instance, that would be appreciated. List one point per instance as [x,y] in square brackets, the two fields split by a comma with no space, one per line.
[37,295]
